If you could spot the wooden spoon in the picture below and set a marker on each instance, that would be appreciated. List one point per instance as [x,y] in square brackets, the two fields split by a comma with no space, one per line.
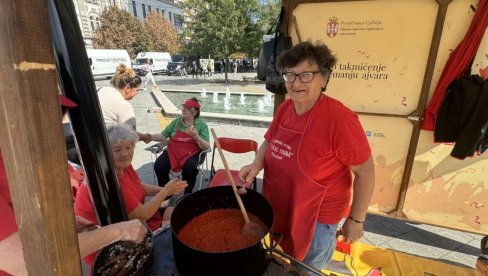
[250,228]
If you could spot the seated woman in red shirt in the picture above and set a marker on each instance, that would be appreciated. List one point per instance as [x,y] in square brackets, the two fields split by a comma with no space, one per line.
[122,139]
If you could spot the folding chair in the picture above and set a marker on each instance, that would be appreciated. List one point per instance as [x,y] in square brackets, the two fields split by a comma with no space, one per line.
[202,158]
[233,145]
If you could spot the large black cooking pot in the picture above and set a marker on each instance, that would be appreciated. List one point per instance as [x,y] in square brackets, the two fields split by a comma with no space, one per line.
[246,261]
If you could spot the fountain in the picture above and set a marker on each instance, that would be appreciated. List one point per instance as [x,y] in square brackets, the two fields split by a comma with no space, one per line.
[242,99]
[204,93]
[215,97]
[227,93]
[267,99]
[260,106]
[216,104]
[226,104]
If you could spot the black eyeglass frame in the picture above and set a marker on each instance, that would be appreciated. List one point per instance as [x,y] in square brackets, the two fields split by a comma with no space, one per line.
[299,76]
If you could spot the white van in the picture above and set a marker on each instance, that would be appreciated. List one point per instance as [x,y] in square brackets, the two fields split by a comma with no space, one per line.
[104,62]
[159,60]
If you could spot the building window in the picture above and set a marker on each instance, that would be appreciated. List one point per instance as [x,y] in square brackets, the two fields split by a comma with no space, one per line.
[149,9]
[157,10]
[134,8]
[170,19]
[144,10]
[178,21]
[162,13]
[92,23]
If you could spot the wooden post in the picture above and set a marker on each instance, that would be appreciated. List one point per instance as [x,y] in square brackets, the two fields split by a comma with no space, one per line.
[32,141]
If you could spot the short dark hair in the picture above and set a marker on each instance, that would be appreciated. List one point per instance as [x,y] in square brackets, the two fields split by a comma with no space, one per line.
[316,52]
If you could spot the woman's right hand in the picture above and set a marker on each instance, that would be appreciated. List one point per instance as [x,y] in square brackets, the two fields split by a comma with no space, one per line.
[175,187]
[132,230]
[247,173]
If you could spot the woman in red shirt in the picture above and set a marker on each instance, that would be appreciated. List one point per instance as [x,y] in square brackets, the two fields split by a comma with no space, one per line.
[311,150]
[122,139]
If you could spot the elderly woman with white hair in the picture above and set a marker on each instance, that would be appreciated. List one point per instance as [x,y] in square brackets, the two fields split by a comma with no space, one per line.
[122,139]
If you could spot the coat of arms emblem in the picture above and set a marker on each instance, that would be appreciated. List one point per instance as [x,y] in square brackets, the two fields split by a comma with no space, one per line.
[332,27]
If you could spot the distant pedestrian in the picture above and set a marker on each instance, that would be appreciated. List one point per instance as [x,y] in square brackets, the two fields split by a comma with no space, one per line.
[209,69]
[148,69]
[203,69]
[234,65]
[183,69]
[194,69]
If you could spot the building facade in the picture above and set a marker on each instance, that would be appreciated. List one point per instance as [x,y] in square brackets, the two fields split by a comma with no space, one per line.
[88,13]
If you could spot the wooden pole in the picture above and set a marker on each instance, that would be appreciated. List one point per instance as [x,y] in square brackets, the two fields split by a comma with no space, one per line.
[32,141]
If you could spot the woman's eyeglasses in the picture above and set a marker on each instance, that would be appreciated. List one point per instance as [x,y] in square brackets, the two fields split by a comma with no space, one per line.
[304,77]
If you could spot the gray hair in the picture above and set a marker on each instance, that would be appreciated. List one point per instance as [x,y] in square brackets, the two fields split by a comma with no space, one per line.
[121,133]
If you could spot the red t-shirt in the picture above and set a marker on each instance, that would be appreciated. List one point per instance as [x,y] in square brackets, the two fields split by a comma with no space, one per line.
[334,142]
[133,194]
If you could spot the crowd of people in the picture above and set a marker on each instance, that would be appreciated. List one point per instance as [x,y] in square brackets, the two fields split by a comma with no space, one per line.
[324,174]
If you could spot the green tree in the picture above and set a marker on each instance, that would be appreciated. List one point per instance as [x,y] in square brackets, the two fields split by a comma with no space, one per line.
[120,30]
[270,9]
[163,33]
[143,42]
[220,28]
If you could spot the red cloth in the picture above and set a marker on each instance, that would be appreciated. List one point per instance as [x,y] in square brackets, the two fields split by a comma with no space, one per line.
[7,215]
[306,173]
[133,194]
[458,62]
[180,148]
[76,177]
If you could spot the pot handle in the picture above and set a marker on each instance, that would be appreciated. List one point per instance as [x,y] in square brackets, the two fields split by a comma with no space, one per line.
[273,244]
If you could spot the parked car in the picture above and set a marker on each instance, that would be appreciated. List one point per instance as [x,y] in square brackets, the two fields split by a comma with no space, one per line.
[174,68]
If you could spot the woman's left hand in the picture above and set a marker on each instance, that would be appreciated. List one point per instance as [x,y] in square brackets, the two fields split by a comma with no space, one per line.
[175,186]
[352,231]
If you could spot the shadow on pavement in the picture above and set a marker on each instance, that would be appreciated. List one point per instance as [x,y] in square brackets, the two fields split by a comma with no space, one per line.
[400,229]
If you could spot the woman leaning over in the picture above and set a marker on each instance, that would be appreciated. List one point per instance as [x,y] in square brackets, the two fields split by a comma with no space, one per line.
[114,100]
[122,139]
[311,150]
[188,135]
